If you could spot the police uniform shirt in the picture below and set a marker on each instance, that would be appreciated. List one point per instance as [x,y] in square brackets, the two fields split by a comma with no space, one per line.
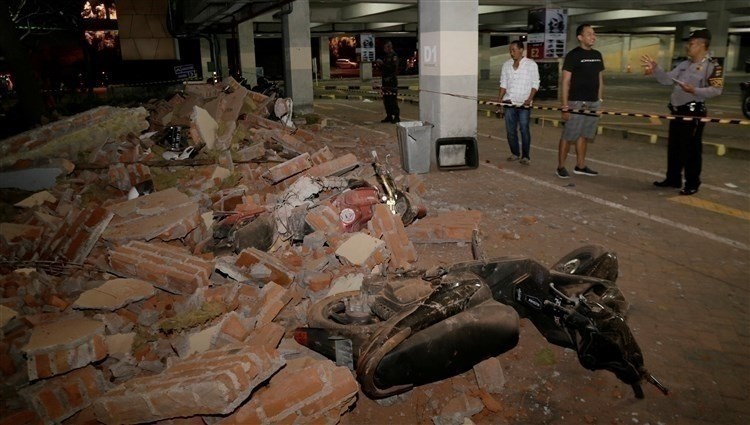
[706,75]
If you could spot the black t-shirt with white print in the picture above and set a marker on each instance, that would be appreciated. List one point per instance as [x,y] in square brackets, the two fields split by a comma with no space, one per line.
[584,66]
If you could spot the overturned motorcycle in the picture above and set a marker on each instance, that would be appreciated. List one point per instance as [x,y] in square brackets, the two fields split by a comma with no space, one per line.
[403,332]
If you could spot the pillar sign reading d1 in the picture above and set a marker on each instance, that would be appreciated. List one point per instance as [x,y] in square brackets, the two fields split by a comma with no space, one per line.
[429,56]
[367,47]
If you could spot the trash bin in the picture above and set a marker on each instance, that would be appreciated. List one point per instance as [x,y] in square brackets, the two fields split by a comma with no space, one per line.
[414,145]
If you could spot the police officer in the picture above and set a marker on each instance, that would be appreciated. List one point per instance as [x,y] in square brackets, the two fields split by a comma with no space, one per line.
[695,80]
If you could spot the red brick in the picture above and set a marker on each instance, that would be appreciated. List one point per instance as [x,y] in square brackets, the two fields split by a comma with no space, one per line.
[233,327]
[73,394]
[317,282]
[210,383]
[68,342]
[341,385]
[99,347]
[289,168]
[56,301]
[61,362]
[305,391]
[279,273]
[53,407]
[167,267]
[335,167]
[322,155]
[292,388]
[269,335]
[7,367]
[394,235]
[23,417]
[324,218]
[43,363]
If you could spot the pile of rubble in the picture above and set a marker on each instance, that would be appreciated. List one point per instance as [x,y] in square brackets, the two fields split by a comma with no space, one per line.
[138,289]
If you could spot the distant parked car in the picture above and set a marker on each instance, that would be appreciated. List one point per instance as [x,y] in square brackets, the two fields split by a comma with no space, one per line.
[346,64]
[745,91]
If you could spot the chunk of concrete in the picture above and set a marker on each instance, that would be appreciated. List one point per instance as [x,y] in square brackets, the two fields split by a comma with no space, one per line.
[114,294]
[36,200]
[359,248]
[205,127]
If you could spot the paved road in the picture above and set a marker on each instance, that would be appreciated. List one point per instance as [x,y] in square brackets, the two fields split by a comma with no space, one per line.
[684,267]
[630,93]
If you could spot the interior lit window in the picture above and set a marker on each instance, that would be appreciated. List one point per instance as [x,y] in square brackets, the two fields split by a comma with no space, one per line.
[100,10]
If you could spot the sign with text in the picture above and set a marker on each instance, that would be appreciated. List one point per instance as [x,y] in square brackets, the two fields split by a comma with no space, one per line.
[367,47]
[547,33]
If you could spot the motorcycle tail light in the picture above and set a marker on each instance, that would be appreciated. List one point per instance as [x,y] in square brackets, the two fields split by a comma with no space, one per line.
[300,335]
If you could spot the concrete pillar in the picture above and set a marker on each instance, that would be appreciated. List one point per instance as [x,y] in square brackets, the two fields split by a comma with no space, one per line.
[731,63]
[666,52]
[718,24]
[205,57]
[484,56]
[324,62]
[365,71]
[448,65]
[223,56]
[246,36]
[625,55]
[298,56]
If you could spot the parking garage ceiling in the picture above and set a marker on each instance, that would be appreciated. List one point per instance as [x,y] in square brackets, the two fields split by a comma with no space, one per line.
[496,16]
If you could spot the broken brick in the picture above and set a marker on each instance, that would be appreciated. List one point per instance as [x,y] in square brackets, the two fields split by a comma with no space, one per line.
[125,176]
[289,168]
[390,229]
[306,390]
[454,226]
[273,298]
[167,215]
[61,346]
[19,241]
[211,383]
[335,167]
[166,267]
[59,398]
[277,271]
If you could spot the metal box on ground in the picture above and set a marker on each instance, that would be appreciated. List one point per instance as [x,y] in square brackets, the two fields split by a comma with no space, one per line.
[456,153]
[414,145]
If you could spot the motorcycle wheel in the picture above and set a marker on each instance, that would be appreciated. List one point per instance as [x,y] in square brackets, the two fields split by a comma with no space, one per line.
[330,313]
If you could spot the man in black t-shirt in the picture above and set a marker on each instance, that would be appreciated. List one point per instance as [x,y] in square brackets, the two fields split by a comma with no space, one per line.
[582,88]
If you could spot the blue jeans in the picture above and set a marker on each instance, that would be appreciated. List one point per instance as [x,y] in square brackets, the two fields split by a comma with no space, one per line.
[518,119]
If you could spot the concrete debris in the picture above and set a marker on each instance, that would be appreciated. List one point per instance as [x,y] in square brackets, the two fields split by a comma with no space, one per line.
[122,319]
[37,199]
[490,376]
[457,409]
[114,294]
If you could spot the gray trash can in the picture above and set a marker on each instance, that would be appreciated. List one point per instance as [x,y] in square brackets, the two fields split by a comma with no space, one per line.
[414,145]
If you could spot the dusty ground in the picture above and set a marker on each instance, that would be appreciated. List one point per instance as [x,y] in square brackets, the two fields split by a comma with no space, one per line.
[683,268]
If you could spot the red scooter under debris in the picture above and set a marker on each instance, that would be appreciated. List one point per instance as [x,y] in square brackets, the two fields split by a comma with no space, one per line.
[398,333]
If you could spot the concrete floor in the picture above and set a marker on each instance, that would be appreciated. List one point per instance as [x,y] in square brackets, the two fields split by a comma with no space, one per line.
[684,268]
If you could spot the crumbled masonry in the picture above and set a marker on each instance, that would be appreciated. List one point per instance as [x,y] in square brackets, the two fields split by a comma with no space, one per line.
[136,289]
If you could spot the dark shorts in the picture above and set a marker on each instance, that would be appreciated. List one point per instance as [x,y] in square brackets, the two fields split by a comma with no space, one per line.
[580,125]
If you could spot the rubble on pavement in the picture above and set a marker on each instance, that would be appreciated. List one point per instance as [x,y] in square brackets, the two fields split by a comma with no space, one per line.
[127,306]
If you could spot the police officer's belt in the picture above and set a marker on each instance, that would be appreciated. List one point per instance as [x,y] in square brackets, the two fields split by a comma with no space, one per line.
[690,108]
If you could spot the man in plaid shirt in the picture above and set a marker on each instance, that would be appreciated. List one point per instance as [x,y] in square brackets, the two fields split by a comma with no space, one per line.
[519,82]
